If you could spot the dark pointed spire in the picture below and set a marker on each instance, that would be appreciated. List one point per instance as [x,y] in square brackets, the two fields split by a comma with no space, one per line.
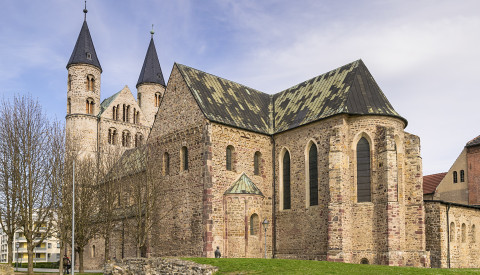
[84,51]
[151,71]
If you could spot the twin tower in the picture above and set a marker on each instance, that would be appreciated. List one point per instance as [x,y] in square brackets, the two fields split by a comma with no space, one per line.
[120,121]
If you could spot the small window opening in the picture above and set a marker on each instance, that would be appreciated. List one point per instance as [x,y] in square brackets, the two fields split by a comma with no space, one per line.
[229,156]
[257,158]
[364,261]
[455,177]
[126,139]
[89,56]
[464,233]
[254,224]
[462,176]
[69,106]
[158,96]
[184,158]
[166,164]
[452,231]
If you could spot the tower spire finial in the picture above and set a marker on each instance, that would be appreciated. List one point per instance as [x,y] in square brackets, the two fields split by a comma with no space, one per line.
[85,11]
[152,31]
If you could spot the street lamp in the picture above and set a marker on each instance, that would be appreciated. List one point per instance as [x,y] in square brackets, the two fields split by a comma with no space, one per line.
[17,245]
[265,226]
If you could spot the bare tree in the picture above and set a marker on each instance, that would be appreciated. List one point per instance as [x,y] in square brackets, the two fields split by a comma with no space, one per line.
[8,176]
[29,159]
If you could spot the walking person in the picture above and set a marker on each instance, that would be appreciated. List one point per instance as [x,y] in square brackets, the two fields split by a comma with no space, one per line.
[217,253]
[66,264]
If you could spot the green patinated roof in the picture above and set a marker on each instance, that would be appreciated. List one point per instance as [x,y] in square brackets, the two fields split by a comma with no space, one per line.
[131,162]
[106,102]
[244,185]
[349,89]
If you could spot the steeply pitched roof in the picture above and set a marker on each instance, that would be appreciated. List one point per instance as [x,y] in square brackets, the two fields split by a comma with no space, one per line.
[107,101]
[151,71]
[474,142]
[349,89]
[244,185]
[84,51]
[227,102]
[430,182]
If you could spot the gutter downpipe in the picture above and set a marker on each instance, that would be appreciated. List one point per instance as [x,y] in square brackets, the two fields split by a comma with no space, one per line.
[448,236]
[274,196]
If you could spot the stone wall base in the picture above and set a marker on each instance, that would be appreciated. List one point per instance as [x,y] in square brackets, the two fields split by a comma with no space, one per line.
[152,266]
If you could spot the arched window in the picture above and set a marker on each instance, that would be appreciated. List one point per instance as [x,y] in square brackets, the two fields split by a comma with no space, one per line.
[452,231]
[254,224]
[158,96]
[464,233]
[257,158]
[89,105]
[184,158]
[455,177]
[112,136]
[69,106]
[138,118]
[462,176]
[114,112]
[473,234]
[93,251]
[313,174]
[229,158]
[139,98]
[90,83]
[127,116]
[124,114]
[126,139]
[134,116]
[166,164]
[286,180]
[138,140]
[363,171]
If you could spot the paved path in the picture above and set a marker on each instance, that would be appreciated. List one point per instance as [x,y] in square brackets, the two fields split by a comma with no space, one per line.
[52,270]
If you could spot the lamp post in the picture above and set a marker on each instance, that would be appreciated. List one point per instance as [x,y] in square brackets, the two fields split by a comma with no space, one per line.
[265,226]
[17,245]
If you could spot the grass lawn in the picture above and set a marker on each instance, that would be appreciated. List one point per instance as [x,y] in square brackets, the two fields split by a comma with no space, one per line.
[279,266]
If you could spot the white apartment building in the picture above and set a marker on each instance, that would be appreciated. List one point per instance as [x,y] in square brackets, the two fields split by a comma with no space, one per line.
[47,251]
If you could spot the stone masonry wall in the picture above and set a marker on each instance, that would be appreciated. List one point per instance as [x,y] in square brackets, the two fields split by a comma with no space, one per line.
[146,100]
[157,266]
[233,236]
[464,235]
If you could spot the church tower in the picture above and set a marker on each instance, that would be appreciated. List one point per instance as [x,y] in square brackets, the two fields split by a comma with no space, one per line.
[150,85]
[83,95]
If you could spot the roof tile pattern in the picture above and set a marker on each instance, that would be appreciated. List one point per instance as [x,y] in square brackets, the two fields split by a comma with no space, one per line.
[349,89]
[107,101]
[244,185]
[227,102]
[151,71]
[84,51]
[430,182]
[474,142]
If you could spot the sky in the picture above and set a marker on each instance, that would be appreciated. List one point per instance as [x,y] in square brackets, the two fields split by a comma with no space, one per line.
[424,54]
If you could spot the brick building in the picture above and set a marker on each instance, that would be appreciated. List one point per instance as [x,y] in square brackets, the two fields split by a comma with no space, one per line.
[327,163]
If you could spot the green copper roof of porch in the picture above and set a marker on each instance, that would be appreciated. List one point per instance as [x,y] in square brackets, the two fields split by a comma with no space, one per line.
[349,89]
[244,185]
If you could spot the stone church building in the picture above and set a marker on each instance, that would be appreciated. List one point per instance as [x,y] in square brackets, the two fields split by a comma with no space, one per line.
[327,163]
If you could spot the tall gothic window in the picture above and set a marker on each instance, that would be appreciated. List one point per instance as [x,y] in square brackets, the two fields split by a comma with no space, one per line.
[257,158]
[184,158]
[313,174]
[229,158]
[286,180]
[363,171]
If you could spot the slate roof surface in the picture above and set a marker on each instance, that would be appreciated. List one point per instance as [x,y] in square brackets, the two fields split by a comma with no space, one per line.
[227,102]
[244,185]
[430,182]
[106,102]
[349,89]
[131,162]
[474,142]
[83,46]
[151,71]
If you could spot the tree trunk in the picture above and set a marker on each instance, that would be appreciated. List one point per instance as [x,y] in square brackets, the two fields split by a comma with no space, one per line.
[60,264]
[80,260]
[30,258]
[10,250]
[107,247]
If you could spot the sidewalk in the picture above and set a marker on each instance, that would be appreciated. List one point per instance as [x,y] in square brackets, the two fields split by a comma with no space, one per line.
[52,270]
